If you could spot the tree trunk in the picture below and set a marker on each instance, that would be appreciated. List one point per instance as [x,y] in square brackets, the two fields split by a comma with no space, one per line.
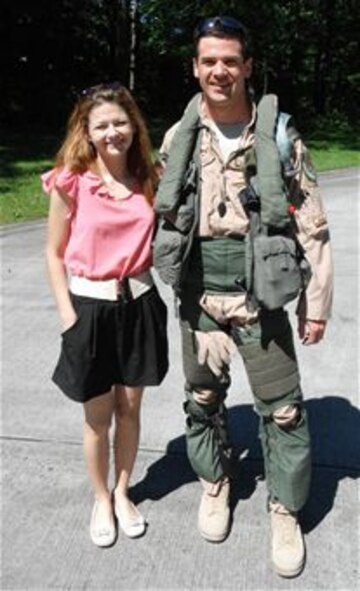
[133,39]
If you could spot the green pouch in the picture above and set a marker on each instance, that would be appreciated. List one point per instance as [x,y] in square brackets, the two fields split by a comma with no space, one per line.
[279,273]
[169,247]
[172,242]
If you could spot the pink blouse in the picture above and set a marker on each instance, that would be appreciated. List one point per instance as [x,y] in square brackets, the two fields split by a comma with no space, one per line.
[109,239]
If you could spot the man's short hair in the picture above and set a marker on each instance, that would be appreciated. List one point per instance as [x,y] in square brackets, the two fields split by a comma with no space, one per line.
[224,27]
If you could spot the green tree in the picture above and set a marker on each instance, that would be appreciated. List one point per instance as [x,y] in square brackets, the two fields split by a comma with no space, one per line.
[305,51]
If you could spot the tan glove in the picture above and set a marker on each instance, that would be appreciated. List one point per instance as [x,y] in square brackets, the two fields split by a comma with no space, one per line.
[214,348]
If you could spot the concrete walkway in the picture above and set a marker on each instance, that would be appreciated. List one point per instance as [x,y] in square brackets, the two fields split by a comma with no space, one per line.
[46,501]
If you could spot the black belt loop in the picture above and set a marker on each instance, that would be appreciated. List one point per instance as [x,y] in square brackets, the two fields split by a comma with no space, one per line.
[126,291]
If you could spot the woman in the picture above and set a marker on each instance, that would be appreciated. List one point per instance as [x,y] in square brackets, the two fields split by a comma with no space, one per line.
[114,343]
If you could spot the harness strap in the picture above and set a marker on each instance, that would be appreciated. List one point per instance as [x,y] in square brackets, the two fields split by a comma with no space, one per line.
[270,184]
[169,194]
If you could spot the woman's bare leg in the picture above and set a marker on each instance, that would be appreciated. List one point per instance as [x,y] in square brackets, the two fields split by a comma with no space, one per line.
[98,415]
[126,443]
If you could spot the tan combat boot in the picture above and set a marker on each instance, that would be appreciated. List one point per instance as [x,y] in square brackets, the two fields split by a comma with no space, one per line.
[288,549]
[214,511]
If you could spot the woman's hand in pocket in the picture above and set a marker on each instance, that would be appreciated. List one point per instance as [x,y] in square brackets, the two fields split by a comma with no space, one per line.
[68,320]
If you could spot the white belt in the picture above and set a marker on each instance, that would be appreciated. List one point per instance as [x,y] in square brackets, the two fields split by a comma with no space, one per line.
[110,289]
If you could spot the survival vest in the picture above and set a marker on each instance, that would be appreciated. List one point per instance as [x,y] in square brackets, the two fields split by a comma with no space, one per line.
[177,200]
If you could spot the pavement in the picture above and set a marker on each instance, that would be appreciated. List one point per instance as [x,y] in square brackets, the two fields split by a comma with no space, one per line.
[46,498]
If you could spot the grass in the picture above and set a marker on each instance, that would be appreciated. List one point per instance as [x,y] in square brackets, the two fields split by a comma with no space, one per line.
[21,196]
[24,157]
[332,157]
[333,144]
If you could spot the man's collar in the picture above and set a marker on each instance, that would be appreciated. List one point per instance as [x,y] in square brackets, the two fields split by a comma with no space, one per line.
[206,120]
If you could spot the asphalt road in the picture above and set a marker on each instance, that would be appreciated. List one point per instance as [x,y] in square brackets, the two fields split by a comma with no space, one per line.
[46,501]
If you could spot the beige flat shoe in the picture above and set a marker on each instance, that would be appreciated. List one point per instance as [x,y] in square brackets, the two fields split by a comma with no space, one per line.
[132,528]
[101,535]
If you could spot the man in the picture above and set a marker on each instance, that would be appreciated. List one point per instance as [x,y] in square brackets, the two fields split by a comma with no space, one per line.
[216,312]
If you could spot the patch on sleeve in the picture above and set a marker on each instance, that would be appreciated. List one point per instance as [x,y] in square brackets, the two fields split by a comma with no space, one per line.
[311,215]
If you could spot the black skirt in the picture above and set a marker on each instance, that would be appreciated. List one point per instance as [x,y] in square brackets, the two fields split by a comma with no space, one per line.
[121,342]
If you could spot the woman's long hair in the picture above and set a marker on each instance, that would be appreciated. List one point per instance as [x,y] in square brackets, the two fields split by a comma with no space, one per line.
[78,154]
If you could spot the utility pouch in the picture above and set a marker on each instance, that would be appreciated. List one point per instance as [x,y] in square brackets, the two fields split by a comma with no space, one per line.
[173,241]
[276,271]
[169,247]
[279,276]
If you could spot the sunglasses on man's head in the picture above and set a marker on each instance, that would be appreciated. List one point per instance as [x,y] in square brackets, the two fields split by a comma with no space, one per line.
[89,92]
[226,24]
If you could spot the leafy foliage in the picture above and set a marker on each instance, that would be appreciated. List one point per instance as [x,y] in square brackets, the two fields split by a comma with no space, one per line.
[305,51]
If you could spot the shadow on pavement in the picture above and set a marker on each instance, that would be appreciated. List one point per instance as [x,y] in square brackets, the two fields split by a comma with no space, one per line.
[335,431]
[173,470]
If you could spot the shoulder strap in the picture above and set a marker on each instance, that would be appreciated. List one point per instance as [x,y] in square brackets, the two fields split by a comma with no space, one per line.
[274,206]
[168,196]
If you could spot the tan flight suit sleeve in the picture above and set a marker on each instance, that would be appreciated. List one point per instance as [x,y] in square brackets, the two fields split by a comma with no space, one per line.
[313,235]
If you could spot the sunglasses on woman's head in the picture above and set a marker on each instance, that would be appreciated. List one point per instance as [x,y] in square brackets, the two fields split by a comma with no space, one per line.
[89,92]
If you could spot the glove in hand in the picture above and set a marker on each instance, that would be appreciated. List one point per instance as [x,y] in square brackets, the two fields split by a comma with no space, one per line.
[214,348]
